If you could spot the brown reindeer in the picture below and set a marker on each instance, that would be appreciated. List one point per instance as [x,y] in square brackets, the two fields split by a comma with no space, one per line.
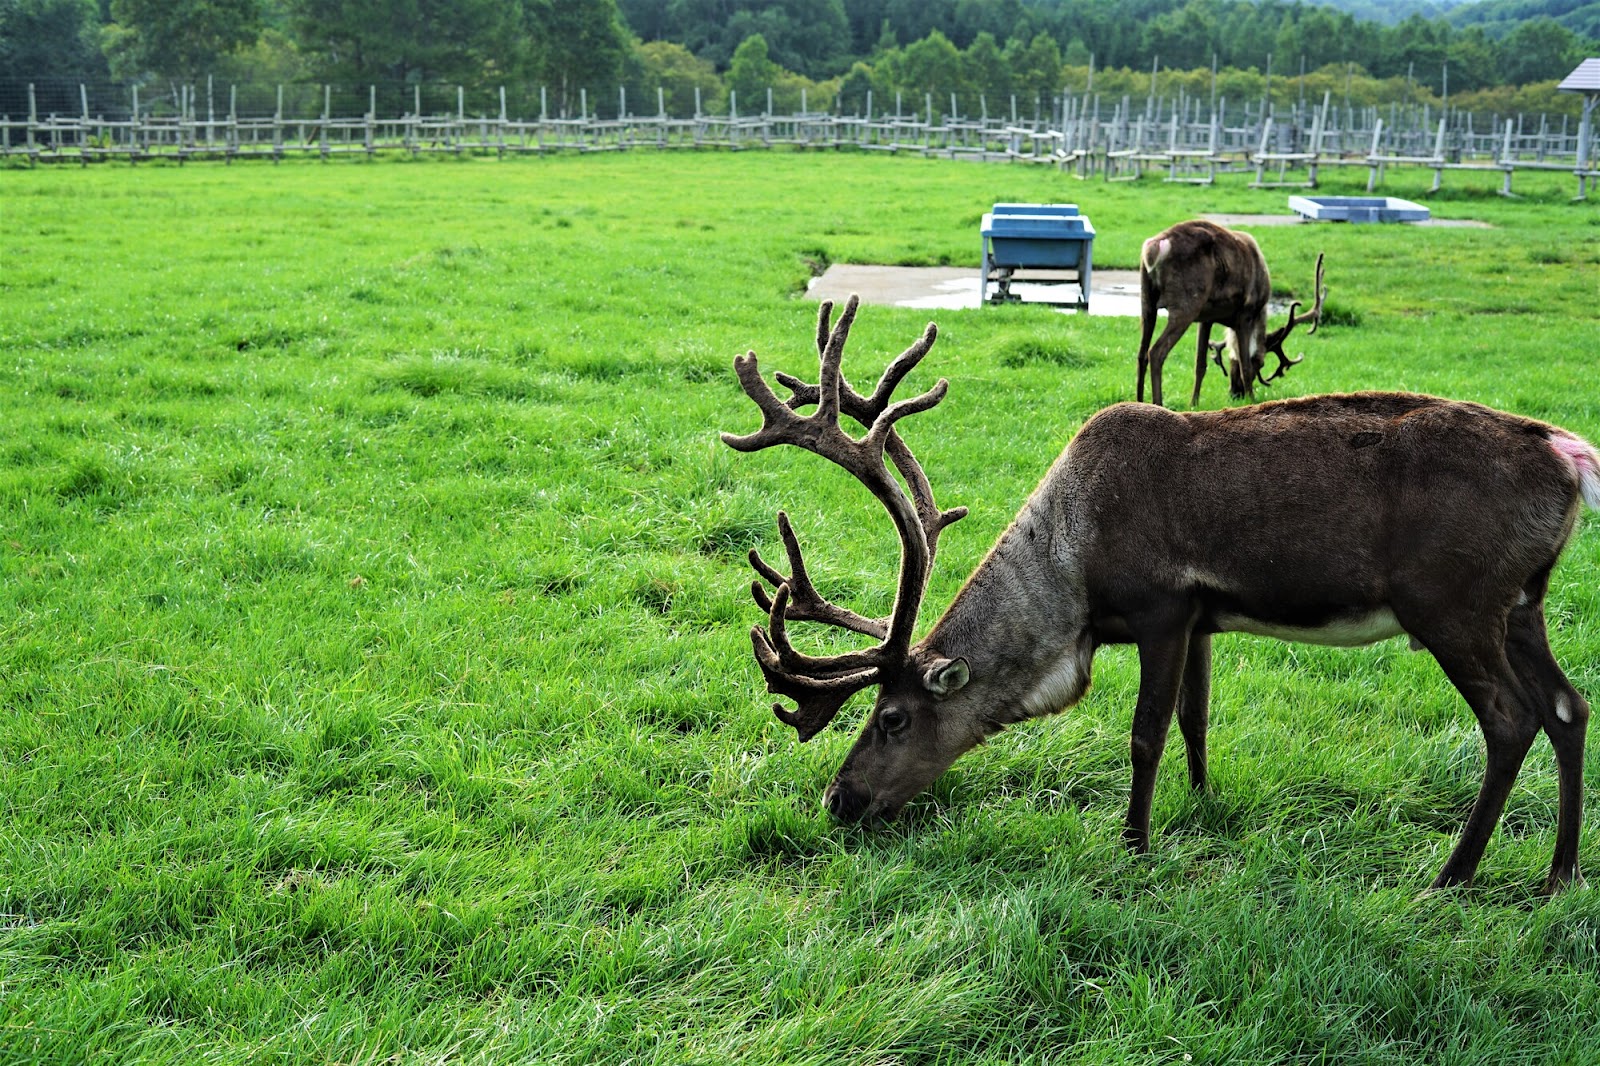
[1202,272]
[1385,513]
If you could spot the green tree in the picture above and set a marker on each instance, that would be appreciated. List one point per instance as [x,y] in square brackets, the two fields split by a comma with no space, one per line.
[1182,39]
[807,36]
[985,69]
[931,65]
[179,38]
[678,72]
[1415,46]
[44,39]
[1472,60]
[854,89]
[752,73]
[1540,49]
[581,45]
[364,41]
[1035,67]
[51,43]
[997,18]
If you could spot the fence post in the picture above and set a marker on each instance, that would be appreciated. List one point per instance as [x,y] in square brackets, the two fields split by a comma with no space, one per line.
[83,133]
[1581,162]
[500,138]
[1506,161]
[415,133]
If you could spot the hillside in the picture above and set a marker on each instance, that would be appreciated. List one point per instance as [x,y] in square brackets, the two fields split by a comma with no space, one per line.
[1499,17]
[1390,12]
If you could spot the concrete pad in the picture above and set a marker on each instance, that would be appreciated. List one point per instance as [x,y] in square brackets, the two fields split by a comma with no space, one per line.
[1112,292]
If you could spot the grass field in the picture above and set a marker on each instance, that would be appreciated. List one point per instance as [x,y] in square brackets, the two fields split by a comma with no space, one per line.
[374,674]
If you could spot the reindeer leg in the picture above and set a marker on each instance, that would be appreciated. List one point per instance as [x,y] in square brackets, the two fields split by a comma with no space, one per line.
[1478,668]
[1176,324]
[1161,667]
[1194,706]
[1200,362]
[1565,717]
[1147,327]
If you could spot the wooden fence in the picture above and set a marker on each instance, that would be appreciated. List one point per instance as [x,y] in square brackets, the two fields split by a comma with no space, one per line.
[1183,139]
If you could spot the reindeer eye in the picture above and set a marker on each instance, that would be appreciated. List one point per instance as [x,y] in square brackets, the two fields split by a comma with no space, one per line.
[893,719]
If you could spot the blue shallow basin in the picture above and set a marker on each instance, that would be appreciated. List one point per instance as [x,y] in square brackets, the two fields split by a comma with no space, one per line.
[1358,209]
[1037,235]
[1049,237]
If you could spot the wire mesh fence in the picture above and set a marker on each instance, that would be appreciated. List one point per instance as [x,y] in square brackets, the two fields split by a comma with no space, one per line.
[1182,138]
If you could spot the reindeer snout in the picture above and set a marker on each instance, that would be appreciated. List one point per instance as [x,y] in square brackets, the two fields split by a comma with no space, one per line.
[846,802]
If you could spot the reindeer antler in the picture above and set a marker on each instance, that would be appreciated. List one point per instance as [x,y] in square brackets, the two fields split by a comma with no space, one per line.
[821,684]
[1318,291]
[1275,341]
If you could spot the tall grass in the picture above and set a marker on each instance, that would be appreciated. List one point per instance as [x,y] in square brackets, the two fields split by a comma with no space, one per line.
[374,680]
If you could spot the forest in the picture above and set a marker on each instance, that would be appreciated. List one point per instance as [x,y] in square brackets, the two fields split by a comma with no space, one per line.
[1509,52]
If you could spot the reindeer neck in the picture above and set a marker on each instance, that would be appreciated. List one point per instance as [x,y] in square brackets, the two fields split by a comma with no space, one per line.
[1021,619]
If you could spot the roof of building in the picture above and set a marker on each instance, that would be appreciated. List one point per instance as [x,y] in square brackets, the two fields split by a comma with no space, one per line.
[1585,78]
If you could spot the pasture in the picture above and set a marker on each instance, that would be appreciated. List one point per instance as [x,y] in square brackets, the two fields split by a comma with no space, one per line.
[375,683]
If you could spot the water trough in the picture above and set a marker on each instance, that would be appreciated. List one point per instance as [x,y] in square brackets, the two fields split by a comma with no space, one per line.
[1358,209]
[1051,238]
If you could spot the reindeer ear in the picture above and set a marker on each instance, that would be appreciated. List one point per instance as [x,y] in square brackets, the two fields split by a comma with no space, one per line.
[945,676]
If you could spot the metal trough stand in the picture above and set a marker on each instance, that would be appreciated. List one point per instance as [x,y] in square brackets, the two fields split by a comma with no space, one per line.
[1037,237]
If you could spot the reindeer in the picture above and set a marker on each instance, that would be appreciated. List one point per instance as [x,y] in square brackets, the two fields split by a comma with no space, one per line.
[1386,513]
[1202,272]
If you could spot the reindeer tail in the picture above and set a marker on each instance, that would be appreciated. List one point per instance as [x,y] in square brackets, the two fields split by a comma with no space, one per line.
[1585,462]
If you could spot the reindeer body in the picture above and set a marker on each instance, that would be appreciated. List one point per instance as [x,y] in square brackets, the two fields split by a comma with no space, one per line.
[1387,513]
[1204,273]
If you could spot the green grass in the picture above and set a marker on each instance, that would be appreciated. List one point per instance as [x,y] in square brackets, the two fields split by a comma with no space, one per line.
[374,678]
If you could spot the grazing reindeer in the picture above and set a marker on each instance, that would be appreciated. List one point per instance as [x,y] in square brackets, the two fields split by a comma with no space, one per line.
[1202,272]
[1386,513]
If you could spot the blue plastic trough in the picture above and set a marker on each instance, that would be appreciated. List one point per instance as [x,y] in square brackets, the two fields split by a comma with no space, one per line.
[1357,209]
[1046,237]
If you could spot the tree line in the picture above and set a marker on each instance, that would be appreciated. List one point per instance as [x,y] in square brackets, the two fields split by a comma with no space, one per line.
[833,51]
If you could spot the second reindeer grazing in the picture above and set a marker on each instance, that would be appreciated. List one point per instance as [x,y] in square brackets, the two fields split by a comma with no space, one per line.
[1386,513]
[1208,274]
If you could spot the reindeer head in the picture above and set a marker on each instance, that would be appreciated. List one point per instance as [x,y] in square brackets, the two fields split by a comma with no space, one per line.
[1243,355]
[900,750]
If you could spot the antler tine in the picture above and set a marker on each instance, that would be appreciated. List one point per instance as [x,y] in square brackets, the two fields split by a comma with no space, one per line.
[828,384]
[778,420]
[1315,318]
[1284,363]
[899,367]
[806,604]
[812,666]
[864,409]
[824,315]
[928,513]
[1318,291]
[818,700]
